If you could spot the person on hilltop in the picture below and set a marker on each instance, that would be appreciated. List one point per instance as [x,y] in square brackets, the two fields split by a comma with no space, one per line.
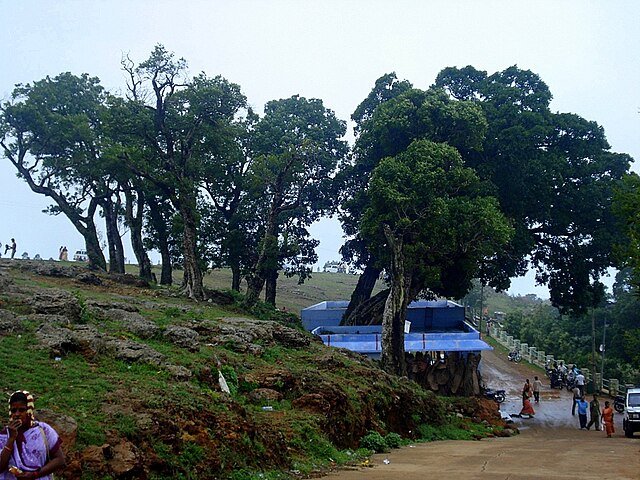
[594,410]
[29,449]
[11,247]
[607,419]
[65,254]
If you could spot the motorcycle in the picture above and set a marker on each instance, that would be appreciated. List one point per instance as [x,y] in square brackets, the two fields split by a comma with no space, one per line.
[498,396]
[515,356]
[618,403]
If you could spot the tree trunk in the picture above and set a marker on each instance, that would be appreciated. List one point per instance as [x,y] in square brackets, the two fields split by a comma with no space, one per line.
[362,292]
[135,226]
[193,286]
[92,246]
[116,250]
[270,287]
[160,227]
[268,255]
[395,310]
[370,311]
[235,277]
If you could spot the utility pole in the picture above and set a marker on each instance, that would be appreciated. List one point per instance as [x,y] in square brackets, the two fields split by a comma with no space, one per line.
[593,347]
[604,339]
[481,307]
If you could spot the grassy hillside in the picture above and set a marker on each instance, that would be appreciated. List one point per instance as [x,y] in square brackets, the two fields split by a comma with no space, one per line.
[138,369]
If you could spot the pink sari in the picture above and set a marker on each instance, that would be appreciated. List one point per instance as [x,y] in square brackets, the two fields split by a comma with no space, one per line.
[31,449]
[527,409]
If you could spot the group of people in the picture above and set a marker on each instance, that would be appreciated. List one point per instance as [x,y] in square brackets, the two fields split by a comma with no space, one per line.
[63,254]
[10,247]
[530,390]
[28,448]
[593,407]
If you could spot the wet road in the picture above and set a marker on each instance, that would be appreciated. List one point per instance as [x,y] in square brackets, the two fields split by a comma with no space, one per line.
[550,446]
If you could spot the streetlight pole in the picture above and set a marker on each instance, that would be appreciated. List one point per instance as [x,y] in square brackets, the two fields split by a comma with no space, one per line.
[604,339]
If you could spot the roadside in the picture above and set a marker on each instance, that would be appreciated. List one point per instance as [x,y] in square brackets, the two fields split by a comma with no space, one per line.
[550,446]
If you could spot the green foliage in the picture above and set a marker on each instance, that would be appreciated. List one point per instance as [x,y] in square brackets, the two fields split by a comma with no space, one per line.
[393,440]
[375,442]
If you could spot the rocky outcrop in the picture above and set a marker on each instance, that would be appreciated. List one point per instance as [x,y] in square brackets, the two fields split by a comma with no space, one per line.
[9,323]
[183,337]
[53,301]
[133,322]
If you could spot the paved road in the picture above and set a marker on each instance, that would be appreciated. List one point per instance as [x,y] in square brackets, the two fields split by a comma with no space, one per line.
[550,446]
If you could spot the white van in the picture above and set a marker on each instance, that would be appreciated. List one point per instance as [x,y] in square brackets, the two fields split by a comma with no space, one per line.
[80,256]
[631,421]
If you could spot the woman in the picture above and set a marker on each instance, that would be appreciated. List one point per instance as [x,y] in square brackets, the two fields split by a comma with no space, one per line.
[29,449]
[607,419]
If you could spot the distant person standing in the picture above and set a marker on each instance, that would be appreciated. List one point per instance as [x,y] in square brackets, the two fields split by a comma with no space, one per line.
[580,382]
[582,412]
[607,419]
[536,388]
[576,396]
[60,252]
[594,410]
[11,247]
[65,254]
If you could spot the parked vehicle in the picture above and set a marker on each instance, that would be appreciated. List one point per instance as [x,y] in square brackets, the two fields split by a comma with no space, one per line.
[515,356]
[498,396]
[618,403]
[631,419]
[80,256]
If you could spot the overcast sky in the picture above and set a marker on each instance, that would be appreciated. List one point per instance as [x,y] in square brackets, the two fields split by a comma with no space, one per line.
[586,51]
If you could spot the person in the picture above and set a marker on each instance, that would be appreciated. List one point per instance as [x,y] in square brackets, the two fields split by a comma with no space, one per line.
[526,390]
[582,412]
[527,408]
[580,382]
[594,410]
[576,396]
[536,388]
[29,449]
[65,254]
[607,419]
[11,247]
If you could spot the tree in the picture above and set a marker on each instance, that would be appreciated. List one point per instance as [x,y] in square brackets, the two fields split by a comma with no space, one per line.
[186,125]
[51,132]
[427,215]
[391,127]
[297,146]
[554,176]
[626,207]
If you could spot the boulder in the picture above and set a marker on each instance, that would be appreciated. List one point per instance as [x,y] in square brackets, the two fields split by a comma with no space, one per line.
[133,322]
[89,278]
[183,337]
[265,395]
[57,302]
[9,323]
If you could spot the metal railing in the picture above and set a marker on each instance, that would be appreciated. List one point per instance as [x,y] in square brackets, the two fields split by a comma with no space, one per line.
[609,386]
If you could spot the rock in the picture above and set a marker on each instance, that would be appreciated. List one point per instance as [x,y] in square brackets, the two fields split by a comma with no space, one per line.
[58,302]
[133,322]
[128,279]
[130,351]
[265,394]
[314,402]
[179,372]
[89,278]
[124,461]
[66,426]
[9,323]
[183,337]
[107,305]
[274,379]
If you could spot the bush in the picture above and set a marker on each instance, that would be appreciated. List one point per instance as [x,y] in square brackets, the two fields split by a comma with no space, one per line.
[393,440]
[374,441]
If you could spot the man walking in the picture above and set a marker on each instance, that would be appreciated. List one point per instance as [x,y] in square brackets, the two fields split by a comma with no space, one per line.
[580,382]
[582,412]
[594,410]
[536,388]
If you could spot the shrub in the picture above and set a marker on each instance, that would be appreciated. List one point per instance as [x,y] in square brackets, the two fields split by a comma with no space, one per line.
[393,440]
[374,441]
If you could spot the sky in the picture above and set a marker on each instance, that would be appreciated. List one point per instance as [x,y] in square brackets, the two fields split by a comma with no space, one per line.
[586,52]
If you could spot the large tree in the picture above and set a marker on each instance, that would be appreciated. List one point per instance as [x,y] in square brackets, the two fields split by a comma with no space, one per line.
[297,147]
[186,125]
[51,131]
[427,215]
[389,129]
[554,175]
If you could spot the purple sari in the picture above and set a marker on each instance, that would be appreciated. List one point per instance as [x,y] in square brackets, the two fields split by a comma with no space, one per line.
[31,449]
